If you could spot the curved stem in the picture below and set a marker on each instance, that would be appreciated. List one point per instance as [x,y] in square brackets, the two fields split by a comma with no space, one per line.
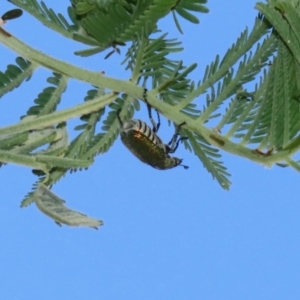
[70,70]
[59,116]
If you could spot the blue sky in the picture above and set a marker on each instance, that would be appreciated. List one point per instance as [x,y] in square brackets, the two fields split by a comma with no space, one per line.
[168,234]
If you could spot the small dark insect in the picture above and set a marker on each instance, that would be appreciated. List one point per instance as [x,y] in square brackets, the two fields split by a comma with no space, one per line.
[12,14]
[9,15]
[147,146]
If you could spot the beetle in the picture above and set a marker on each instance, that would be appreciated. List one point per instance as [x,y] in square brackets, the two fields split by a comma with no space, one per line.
[146,145]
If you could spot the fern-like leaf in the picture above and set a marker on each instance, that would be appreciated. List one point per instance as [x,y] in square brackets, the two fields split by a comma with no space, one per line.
[120,22]
[47,16]
[14,75]
[50,97]
[285,19]
[208,155]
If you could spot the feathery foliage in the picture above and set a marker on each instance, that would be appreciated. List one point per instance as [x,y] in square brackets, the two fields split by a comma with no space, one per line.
[14,75]
[260,122]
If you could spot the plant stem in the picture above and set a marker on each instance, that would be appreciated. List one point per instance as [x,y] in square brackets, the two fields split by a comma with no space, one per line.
[59,116]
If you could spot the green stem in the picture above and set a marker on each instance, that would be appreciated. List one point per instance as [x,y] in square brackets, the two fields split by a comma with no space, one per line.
[70,70]
[214,138]
[59,116]
[63,162]
[293,164]
[20,159]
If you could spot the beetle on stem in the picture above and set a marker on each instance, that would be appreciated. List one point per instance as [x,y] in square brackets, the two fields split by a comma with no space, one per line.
[146,145]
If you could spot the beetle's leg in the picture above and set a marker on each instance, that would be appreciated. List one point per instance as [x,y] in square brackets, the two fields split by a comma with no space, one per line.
[118,116]
[173,144]
[155,125]
[176,144]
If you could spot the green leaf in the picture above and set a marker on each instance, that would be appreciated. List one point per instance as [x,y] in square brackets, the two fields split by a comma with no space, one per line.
[53,206]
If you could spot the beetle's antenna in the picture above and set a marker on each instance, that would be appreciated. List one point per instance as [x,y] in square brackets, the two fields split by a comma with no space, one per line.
[178,163]
[185,167]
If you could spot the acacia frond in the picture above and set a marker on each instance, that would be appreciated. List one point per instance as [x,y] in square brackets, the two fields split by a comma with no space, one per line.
[184,6]
[235,78]
[148,59]
[50,97]
[264,114]
[274,120]
[28,199]
[54,207]
[14,75]
[285,18]
[78,147]
[81,143]
[47,16]
[208,155]
[269,116]
[117,22]
[238,107]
